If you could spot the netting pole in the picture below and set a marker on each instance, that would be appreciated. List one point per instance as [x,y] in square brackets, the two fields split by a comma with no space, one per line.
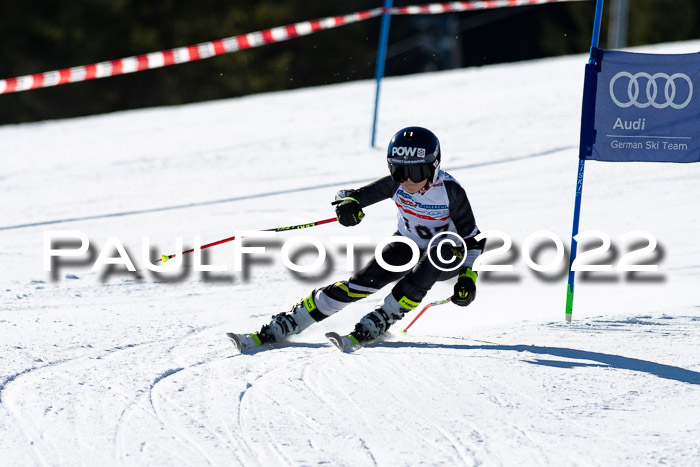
[581,164]
[381,58]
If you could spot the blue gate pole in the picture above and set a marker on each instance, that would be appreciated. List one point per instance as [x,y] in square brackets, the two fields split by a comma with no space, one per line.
[579,178]
[381,58]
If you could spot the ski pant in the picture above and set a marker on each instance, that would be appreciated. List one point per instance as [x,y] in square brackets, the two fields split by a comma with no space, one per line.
[412,287]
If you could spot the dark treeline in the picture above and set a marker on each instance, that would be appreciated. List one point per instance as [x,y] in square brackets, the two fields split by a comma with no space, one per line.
[38,36]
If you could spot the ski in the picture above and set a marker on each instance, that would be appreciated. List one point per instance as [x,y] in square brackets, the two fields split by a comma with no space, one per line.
[348,343]
[345,344]
[250,343]
[245,342]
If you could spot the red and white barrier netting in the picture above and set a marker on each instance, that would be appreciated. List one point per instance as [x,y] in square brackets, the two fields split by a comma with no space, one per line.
[232,44]
[437,8]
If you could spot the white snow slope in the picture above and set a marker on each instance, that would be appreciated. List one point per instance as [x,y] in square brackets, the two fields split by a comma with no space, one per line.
[113,367]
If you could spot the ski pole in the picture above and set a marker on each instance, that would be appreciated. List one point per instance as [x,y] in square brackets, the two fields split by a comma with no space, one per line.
[165,258]
[425,308]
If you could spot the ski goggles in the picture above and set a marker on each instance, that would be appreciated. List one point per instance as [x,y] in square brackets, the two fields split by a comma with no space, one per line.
[401,173]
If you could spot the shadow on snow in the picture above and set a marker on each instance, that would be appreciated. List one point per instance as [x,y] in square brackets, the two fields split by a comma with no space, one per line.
[615,361]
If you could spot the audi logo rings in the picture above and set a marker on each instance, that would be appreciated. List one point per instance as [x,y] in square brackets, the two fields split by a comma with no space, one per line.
[652,90]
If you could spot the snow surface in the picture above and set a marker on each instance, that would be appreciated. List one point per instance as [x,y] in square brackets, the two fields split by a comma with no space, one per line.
[112,367]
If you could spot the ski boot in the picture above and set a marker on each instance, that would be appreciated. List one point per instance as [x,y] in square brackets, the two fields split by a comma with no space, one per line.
[282,325]
[286,324]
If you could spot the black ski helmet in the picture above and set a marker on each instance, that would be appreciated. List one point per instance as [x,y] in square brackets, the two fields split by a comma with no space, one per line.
[414,153]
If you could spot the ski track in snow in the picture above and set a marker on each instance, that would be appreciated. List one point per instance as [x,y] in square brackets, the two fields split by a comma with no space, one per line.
[134,369]
[341,423]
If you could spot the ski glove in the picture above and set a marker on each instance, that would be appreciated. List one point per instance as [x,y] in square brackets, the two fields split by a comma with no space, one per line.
[348,211]
[465,288]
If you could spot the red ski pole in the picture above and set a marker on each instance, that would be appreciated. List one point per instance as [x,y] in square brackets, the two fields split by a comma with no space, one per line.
[425,308]
[165,258]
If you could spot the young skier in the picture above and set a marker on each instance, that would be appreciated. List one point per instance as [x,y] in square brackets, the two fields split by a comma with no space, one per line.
[429,202]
